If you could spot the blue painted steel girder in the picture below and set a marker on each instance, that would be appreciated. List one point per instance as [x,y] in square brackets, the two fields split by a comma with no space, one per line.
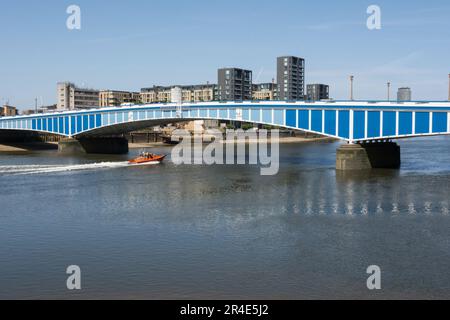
[346,122]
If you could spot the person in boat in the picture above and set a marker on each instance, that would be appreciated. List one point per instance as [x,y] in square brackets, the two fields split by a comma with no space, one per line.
[147,155]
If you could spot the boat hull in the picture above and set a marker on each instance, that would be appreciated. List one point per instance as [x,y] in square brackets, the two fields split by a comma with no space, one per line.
[143,160]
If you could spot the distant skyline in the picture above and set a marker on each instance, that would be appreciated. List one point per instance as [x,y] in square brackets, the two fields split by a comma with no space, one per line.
[128,45]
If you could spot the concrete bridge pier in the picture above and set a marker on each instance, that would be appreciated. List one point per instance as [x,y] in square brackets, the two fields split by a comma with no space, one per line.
[93,145]
[368,156]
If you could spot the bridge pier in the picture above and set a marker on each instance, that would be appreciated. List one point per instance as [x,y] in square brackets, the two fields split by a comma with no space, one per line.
[94,145]
[368,156]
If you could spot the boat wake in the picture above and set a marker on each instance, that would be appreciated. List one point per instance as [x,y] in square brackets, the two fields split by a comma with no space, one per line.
[44,169]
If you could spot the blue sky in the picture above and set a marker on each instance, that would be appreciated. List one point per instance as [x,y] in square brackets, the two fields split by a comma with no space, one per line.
[132,44]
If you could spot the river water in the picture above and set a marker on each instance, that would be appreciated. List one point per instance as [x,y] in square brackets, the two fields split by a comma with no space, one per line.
[222,232]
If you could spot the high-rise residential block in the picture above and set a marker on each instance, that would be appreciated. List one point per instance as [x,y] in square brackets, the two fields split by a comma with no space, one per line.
[234,84]
[291,78]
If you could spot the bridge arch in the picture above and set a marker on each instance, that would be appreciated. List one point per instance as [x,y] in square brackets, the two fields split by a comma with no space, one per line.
[135,125]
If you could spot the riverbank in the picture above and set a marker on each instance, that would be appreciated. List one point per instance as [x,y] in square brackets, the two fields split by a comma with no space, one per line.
[286,140]
[6,148]
[283,140]
[27,147]
[36,146]
[146,145]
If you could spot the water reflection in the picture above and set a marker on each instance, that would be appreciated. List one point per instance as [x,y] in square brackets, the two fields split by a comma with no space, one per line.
[225,231]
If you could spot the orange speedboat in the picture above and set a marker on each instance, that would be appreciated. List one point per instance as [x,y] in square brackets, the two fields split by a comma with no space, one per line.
[146,157]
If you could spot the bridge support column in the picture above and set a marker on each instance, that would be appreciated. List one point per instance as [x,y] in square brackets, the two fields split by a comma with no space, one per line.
[94,145]
[368,155]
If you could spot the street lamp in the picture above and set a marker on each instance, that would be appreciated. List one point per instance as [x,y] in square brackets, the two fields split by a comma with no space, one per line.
[351,87]
[449,87]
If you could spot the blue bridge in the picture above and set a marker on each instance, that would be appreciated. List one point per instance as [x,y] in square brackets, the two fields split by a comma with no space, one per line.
[351,121]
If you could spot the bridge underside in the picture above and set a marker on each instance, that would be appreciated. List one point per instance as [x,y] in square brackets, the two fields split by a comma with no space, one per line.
[106,140]
[109,140]
[9,136]
[123,128]
[94,145]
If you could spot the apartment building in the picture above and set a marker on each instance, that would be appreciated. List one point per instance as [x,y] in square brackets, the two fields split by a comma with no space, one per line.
[200,93]
[291,78]
[150,96]
[316,92]
[190,93]
[234,84]
[71,97]
[264,91]
[8,111]
[112,98]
